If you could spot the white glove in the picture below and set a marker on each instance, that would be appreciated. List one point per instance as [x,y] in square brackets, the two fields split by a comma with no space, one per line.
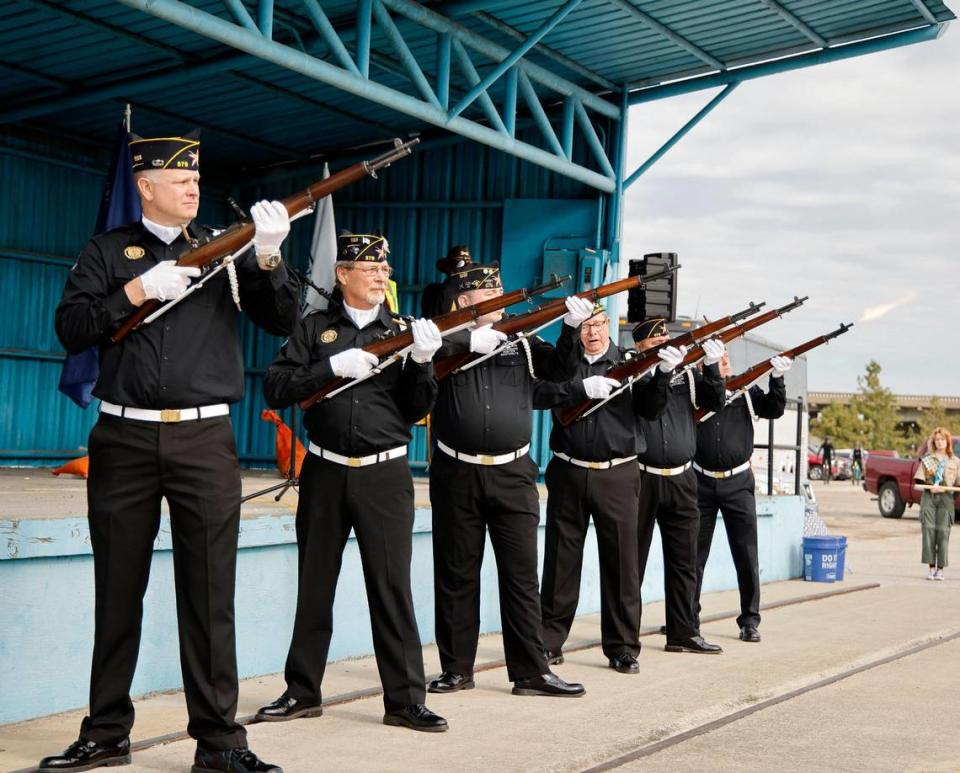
[713,351]
[353,363]
[599,387]
[780,365]
[579,310]
[272,222]
[426,340]
[671,357]
[167,281]
[484,340]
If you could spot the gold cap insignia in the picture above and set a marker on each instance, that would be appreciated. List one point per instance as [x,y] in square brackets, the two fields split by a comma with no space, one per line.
[133,252]
[328,336]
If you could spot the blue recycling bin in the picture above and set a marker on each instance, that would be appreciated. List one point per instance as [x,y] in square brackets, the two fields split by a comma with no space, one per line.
[822,558]
[841,557]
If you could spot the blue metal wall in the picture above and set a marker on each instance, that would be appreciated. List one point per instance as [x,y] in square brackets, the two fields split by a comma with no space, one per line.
[447,193]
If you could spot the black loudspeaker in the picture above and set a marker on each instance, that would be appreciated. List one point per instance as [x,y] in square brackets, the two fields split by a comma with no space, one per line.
[657,299]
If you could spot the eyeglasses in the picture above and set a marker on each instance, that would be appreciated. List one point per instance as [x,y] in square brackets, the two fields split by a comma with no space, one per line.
[370,271]
[595,325]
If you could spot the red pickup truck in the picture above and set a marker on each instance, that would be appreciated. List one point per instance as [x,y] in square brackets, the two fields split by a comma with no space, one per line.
[892,481]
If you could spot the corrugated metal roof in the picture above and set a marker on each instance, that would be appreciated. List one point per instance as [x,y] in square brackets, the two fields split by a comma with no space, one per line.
[53,51]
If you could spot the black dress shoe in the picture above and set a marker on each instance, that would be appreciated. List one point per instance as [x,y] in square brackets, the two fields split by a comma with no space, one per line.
[548,684]
[285,708]
[693,644]
[87,755]
[663,630]
[449,681]
[625,664]
[749,633]
[238,760]
[553,658]
[416,716]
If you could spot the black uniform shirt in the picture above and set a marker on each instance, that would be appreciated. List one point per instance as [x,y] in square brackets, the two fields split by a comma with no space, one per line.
[375,415]
[189,356]
[610,432]
[489,408]
[725,440]
[672,436]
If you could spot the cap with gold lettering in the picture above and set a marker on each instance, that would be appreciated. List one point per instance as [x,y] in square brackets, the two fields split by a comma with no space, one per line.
[475,276]
[369,248]
[166,152]
[650,328]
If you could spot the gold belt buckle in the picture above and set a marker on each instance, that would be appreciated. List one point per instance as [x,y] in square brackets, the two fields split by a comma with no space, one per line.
[353,461]
[666,471]
[169,415]
[487,460]
[595,465]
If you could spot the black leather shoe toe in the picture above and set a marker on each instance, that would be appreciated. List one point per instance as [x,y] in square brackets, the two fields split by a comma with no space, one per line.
[693,644]
[285,708]
[416,717]
[238,760]
[749,633]
[449,681]
[548,684]
[553,658]
[625,664]
[663,630]
[87,755]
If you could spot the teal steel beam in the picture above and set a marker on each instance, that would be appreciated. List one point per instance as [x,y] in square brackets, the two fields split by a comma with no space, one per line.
[539,115]
[924,11]
[241,14]
[763,69]
[265,18]
[615,208]
[566,134]
[514,56]
[410,63]
[510,102]
[443,70]
[438,23]
[795,21]
[322,24]
[364,28]
[593,141]
[473,77]
[464,7]
[664,31]
[680,134]
[215,28]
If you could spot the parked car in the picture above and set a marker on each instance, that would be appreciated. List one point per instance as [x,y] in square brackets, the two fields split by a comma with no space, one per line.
[891,479]
[839,467]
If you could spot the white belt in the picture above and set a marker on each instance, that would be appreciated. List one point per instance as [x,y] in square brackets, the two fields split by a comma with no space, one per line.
[665,471]
[721,474]
[358,461]
[594,465]
[484,459]
[167,415]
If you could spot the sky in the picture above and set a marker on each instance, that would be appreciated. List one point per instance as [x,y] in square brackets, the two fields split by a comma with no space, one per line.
[841,182]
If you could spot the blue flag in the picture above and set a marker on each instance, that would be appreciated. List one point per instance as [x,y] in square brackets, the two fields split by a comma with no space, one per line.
[119,205]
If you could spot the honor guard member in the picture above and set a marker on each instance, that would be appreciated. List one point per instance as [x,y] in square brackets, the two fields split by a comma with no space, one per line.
[668,484]
[725,483]
[438,296]
[594,472]
[356,476]
[481,478]
[164,432]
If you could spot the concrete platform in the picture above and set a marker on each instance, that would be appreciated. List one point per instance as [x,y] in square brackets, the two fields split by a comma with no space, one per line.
[810,708]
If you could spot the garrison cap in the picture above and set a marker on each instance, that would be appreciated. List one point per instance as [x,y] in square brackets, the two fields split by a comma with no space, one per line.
[166,152]
[650,328]
[456,258]
[365,248]
[475,276]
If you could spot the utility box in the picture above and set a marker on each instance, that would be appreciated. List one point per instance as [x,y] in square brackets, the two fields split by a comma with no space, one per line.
[563,256]
[659,298]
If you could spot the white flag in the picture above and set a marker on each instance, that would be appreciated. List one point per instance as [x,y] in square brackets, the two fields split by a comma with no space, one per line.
[323,251]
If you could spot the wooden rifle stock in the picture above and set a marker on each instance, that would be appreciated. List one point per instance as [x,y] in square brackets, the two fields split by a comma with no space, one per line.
[392,345]
[745,379]
[637,365]
[546,313]
[241,233]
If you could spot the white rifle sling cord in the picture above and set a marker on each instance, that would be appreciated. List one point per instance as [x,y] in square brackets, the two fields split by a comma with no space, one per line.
[234,284]
[526,350]
[746,396]
[692,385]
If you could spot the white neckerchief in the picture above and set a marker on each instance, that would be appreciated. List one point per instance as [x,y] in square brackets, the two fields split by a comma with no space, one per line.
[165,233]
[592,358]
[362,317]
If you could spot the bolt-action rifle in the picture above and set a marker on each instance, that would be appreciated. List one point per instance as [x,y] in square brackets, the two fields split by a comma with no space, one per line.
[233,241]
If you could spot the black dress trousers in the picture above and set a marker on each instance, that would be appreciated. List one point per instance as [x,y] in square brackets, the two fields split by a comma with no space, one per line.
[194,465]
[468,499]
[611,497]
[671,502]
[735,498]
[377,503]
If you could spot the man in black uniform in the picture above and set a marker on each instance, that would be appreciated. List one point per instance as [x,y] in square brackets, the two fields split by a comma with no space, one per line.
[725,483]
[668,484]
[482,477]
[593,472]
[164,432]
[437,297]
[356,476]
[825,452]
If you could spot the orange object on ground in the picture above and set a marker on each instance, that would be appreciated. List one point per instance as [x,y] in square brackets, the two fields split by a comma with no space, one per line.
[284,438]
[79,466]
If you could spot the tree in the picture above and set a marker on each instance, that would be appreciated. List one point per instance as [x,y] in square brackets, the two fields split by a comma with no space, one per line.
[935,416]
[877,408]
[841,423]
